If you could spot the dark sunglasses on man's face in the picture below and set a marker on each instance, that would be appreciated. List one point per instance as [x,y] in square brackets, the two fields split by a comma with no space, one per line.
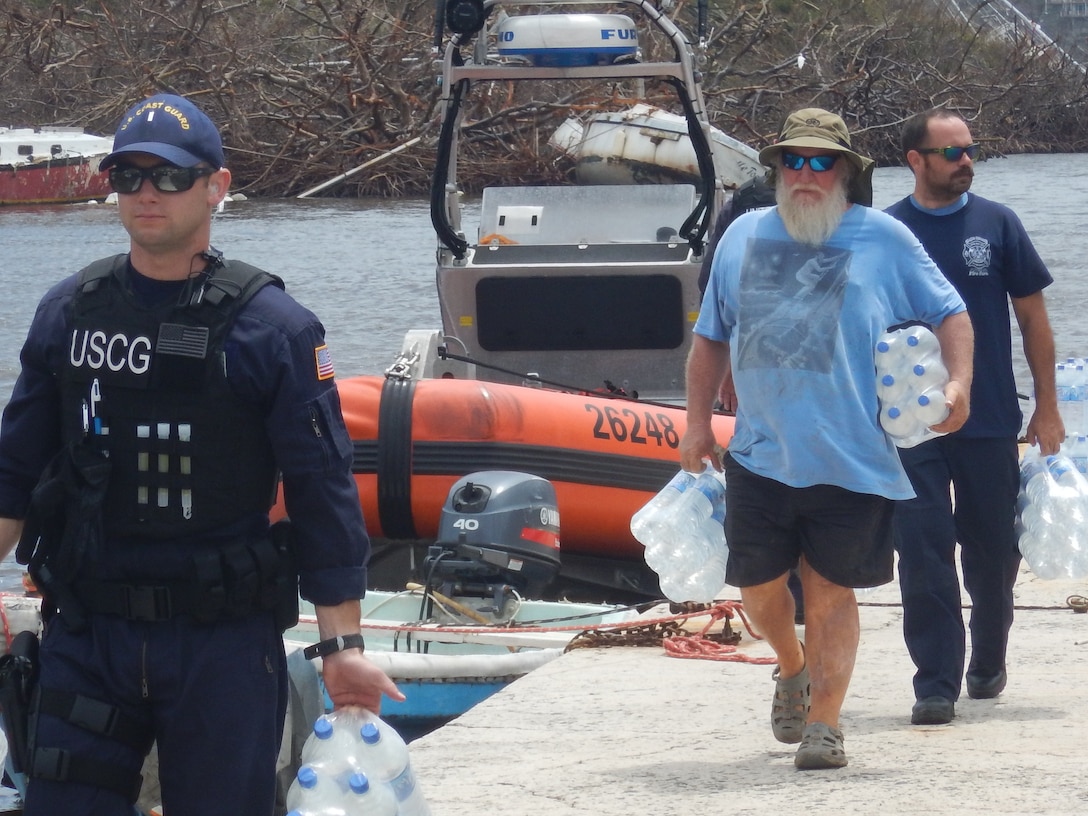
[954,154]
[819,164]
[166,178]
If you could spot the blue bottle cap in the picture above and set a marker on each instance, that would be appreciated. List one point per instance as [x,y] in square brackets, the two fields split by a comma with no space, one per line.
[358,783]
[323,727]
[923,400]
[919,369]
[887,379]
[882,346]
[912,341]
[370,733]
[894,412]
[307,776]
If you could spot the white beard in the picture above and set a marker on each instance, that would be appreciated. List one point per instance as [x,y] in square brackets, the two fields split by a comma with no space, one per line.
[811,223]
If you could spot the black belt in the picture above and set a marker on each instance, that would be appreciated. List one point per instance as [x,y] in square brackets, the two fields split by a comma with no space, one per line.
[139,602]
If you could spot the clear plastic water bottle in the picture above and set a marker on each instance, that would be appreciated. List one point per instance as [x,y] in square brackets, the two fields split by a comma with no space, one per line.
[1066,386]
[366,799]
[891,388]
[651,520]
[385,756]
[332,736]
[1034,476]
[707,583]
[922,340]
[700,500]
[932,408]
[315,792]
[326,762]
[929,372]
[1078,400]
[681,551]
[891,350]
[305,781]
[1078,453]
[900,424]
[1065,473]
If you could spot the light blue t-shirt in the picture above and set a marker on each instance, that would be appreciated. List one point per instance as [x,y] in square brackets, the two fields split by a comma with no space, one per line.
[802,323]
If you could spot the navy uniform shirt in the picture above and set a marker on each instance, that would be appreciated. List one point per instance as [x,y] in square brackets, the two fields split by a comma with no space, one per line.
[276,358]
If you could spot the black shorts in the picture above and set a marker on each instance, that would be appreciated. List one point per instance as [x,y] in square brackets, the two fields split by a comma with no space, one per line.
[845,536]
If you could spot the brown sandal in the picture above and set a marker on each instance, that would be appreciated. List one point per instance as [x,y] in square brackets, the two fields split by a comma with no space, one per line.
[789,709]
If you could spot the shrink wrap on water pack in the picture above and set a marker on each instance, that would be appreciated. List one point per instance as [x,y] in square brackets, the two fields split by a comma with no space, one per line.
[355,764]
[1052,515]
[683,530]
[910,381]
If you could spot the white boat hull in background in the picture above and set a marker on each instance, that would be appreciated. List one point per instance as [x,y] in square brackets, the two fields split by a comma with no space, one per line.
[648,145]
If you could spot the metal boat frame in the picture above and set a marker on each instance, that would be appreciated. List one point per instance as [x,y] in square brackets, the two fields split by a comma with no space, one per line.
[591,288]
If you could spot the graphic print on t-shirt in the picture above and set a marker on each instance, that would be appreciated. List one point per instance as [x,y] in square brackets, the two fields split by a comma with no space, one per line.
[791,296]
[976,254]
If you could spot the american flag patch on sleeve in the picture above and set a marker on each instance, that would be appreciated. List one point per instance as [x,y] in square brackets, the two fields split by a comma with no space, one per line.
[324,363]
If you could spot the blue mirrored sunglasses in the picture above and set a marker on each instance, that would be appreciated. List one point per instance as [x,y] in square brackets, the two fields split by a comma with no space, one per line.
[954,154]
[819,164]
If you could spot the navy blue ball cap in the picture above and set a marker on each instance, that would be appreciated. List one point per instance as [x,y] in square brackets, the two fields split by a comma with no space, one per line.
[170,127]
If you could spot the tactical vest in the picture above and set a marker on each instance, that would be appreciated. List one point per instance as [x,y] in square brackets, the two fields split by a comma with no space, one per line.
[148,387]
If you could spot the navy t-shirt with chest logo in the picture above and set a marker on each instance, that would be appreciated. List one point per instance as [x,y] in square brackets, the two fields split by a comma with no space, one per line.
[985,252]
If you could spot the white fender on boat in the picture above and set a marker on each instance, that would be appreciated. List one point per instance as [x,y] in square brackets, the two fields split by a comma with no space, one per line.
[417,666]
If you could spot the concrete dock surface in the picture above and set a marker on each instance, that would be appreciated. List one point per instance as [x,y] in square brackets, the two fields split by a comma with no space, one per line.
[629,730]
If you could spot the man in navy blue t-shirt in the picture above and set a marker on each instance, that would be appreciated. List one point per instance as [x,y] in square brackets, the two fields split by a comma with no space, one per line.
[983,250]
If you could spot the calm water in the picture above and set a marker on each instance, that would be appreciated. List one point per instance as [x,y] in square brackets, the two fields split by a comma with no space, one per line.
[366,267]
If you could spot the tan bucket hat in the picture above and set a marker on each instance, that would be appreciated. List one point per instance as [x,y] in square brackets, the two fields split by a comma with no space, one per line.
[821,129]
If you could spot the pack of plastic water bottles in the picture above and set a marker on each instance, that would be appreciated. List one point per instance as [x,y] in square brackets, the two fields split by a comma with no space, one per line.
[355,764]
[910,381]
[683,530]
[1052,519]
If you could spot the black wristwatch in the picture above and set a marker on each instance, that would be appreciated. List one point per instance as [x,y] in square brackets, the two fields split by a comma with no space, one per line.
[333,645]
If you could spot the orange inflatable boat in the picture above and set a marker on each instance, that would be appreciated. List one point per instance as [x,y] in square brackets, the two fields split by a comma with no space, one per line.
[605,457]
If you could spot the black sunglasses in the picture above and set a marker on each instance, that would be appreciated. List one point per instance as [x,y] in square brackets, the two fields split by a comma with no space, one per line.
[166,178]
[819,164]
[954,154]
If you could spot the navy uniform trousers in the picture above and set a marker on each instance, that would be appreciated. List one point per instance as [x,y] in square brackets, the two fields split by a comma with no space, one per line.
[216,695]
[985,478]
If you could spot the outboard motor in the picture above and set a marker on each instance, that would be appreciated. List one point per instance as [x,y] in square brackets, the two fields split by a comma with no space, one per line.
[498,529]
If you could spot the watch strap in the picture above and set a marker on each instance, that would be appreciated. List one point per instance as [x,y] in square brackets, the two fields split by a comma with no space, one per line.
[325,648]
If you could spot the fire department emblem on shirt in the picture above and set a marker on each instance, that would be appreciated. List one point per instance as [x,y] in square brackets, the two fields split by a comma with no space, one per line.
[976,252]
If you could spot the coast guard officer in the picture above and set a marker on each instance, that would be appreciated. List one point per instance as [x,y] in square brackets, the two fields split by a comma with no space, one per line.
[161,393]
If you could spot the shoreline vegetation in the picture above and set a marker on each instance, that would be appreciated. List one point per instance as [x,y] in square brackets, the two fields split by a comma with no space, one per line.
[305,90]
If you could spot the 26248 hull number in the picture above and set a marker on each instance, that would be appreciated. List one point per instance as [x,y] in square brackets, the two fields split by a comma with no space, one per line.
[636,427]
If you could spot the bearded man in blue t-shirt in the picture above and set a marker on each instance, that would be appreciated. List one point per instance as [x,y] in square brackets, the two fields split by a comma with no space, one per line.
[798,295]
[983,250]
